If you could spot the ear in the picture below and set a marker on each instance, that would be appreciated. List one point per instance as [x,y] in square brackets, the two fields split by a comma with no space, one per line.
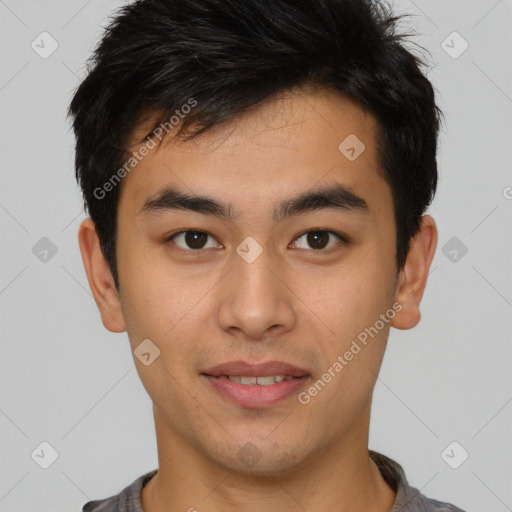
[413,277]
[100,278]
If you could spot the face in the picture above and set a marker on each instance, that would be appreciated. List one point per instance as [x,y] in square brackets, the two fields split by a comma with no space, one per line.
[293,286]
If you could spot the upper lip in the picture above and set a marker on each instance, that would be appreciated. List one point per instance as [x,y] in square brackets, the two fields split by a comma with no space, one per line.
[241,368]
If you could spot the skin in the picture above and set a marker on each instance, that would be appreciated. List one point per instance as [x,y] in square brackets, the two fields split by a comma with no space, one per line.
[289,305]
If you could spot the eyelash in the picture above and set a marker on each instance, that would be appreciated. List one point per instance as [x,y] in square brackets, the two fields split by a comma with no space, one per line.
[341,238]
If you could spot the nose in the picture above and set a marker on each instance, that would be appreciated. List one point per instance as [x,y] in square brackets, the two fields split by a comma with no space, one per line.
[256,301]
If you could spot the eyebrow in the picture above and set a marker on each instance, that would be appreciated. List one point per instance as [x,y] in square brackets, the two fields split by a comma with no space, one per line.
[338,197]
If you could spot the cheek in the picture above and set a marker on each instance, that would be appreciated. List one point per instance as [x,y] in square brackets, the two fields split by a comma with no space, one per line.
[159,310]
[347,300]
[352,354]
[350,303]
[165,307]
[148,294]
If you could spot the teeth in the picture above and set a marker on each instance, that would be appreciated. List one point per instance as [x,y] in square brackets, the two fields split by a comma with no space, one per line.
[262,381]
[248,380]
[266,381]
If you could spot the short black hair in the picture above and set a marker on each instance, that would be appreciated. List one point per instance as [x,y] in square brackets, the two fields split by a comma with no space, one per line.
[231,55]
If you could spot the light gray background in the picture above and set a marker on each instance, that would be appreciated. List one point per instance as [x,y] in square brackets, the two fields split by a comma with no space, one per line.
[68,381]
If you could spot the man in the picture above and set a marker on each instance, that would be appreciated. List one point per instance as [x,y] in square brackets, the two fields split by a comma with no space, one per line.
[256,175]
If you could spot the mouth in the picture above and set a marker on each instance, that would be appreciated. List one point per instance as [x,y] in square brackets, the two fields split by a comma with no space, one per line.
[266,380]
[255,386]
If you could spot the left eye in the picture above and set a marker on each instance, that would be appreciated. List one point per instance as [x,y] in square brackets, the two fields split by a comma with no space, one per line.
[318,239]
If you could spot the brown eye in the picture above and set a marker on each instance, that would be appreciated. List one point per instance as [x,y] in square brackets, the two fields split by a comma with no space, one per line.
[318,239]
[192,239]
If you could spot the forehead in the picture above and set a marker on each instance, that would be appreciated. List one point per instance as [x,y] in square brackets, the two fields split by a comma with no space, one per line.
[293,142]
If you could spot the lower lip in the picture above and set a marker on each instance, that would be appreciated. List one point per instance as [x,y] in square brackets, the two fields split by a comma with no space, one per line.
[254,395]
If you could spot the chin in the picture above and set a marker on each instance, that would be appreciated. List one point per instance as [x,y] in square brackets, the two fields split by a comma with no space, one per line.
[259,458]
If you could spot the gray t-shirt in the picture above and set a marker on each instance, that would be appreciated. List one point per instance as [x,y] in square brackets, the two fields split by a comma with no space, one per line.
[408,499]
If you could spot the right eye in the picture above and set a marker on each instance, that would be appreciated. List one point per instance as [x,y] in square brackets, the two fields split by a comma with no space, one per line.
[194,240]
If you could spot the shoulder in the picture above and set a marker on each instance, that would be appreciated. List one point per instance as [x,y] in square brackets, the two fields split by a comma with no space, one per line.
[408,498]
[128,500]
[439,506]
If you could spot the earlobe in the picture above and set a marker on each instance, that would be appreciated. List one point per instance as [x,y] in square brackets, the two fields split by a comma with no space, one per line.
[100,277]
[413,277]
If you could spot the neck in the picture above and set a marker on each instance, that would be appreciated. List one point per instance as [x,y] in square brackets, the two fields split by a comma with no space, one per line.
[341,478]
